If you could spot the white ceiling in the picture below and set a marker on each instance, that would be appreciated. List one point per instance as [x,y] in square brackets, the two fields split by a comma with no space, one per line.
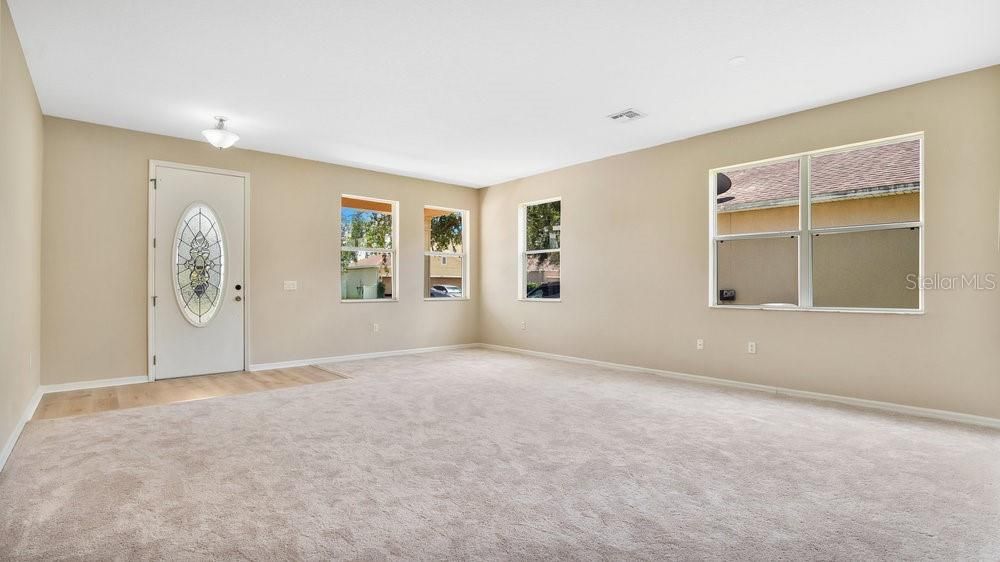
[477,92]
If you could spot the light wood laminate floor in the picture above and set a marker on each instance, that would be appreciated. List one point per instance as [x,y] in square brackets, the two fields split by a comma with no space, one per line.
[167,391]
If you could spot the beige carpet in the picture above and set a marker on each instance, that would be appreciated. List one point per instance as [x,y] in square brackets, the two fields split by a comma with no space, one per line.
[480,454]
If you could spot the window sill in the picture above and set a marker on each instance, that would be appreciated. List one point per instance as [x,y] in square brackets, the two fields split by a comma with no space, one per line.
[368,300]
[446,299]
[899,311]
[525,299]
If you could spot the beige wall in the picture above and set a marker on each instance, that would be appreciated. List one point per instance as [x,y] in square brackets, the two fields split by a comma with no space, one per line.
[761,270]
[902,207]
[94,258]
[948,358]
[869,270]
[874,269]
[446,268]
[20,229]
[94,254]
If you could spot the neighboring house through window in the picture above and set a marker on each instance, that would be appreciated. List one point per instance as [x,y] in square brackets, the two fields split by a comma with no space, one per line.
[832,229]
[368,240]
[446,262]
[539,250]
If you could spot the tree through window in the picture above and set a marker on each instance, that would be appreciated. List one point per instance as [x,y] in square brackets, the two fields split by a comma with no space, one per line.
[368,252]
[540,240]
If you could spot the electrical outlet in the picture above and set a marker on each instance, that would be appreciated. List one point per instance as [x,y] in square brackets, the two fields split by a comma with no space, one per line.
[752,347]
[291,285]
[524,325]
[700,344]
[374,327]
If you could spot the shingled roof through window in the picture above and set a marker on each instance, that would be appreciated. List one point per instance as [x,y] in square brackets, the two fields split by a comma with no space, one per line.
[863,172]
[373,261]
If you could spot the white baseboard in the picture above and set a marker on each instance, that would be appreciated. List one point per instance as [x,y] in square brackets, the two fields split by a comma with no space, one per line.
[26,415]
[776,390]
[945,415]
[340,358]
[104,383]
[29,410]
[100,383]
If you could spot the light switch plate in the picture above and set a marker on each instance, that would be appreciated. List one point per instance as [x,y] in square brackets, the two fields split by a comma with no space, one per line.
[291,285]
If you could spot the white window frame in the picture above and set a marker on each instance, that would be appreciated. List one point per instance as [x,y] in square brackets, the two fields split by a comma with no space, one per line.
[464,254]
[393,252]
[523,252]
[806,232]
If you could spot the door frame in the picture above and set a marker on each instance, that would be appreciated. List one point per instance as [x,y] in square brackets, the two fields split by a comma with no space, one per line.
[151,257]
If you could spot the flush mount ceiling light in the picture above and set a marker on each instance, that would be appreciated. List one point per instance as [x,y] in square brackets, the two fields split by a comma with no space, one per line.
[219,137]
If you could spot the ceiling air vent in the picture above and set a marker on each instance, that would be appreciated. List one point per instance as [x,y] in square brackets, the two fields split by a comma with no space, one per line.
[626,115]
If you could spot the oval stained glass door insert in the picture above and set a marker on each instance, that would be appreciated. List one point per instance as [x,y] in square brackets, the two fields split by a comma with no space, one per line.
[199,264]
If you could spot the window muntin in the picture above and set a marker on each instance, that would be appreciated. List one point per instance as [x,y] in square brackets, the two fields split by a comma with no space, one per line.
[445,257]
[368,233]
[871,191]
[539,257]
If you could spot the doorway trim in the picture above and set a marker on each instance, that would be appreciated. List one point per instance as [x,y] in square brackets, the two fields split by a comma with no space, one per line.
[151,257]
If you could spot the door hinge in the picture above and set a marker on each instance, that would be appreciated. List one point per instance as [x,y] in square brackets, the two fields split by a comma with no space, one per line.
[153,181]
[154,360]
[154,301]
[154,242]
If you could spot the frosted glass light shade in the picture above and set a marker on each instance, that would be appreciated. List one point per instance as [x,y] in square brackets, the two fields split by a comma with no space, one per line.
[220,138]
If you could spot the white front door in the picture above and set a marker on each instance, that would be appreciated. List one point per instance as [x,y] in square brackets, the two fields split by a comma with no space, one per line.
[198,270]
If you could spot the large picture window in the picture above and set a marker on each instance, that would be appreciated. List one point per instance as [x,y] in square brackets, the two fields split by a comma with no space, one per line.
[368,241]
[446,262]
[539,242]
[836,229]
